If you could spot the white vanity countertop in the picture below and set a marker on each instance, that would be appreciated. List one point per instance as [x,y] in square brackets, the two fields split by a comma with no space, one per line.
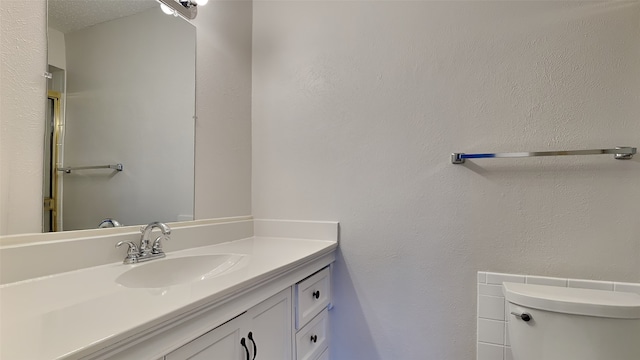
[60,316]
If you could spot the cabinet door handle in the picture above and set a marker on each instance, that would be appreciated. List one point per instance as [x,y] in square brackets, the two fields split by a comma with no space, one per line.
[316,294]
[255,347]
[244,345]
[314,338]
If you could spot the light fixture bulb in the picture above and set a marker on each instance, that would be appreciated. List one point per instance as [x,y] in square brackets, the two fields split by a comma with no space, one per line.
[167,10]
[202,2]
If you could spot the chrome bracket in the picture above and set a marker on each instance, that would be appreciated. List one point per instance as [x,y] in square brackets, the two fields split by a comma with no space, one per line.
[625,156]
[456,158]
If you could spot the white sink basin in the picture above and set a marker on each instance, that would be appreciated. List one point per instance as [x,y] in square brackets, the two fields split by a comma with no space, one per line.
[179,270]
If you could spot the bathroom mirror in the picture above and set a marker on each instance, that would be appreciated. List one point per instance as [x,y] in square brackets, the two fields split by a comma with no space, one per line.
[121,96]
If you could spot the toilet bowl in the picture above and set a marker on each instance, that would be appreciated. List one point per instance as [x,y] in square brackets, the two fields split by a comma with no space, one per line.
[557,323]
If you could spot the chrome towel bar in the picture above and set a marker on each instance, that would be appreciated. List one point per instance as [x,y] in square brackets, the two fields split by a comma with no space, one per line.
[68,170]
[620,153]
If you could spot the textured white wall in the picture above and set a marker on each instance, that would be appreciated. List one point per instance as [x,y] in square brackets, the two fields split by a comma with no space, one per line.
[223,130]
[22,104]
[356,108]
[118,111]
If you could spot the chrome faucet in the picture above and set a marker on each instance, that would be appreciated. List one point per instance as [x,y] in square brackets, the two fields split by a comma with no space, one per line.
[144,252]
[106,223]
[156,248]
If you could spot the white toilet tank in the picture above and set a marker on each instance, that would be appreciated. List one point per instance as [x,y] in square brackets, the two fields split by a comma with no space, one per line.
[557,323]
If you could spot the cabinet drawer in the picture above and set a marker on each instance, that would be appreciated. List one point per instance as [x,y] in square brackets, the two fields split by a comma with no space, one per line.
[311,341]
[324,355]
[312,295]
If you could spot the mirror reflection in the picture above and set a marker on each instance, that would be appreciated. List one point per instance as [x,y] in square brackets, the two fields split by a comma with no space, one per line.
[119,138]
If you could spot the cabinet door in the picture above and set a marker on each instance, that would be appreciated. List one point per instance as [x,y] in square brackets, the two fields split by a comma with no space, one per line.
[270,324]
[221,343]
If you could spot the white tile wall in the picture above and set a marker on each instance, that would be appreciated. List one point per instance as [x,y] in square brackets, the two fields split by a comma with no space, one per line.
[590,284]
[549,281]
[490,352]
[491,331]
[491,307]
[626,287]
[493,328]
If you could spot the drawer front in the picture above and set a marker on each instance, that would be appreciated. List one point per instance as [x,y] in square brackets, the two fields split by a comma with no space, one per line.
[312,295]
[324,356]
[311,341]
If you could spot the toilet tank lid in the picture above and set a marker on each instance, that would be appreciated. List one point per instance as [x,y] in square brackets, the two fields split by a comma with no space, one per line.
[588,302]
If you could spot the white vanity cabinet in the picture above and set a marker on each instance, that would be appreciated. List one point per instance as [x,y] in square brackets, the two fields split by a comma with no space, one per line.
[267,330]
[271,327]
[324,355]
[222,342]
[269,324]
[313,296]
[277,292]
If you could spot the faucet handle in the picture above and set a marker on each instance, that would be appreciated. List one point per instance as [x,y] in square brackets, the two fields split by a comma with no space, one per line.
[132,247]
[132,252]
[157,245]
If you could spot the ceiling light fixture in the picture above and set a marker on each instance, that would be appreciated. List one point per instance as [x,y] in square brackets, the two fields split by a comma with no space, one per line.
[167,10]
[188,9]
